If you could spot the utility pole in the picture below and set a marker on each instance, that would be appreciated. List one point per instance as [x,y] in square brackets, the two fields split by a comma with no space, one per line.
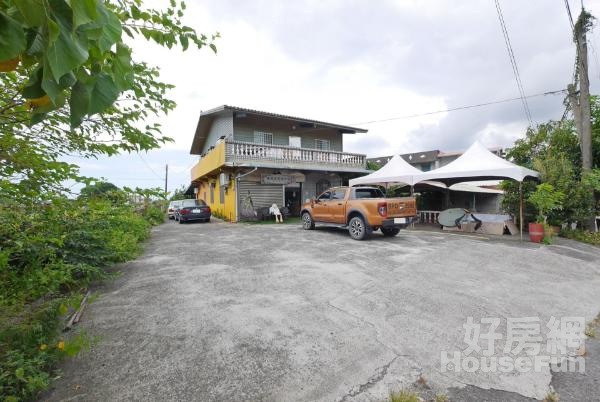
[166,177]
[585,126]
[580,100]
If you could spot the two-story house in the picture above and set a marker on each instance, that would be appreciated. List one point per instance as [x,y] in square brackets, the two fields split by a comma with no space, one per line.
[251,159]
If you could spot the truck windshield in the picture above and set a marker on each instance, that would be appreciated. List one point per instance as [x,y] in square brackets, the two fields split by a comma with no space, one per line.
[360,193]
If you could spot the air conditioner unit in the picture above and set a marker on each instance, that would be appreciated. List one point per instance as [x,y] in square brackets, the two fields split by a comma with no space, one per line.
[223,179]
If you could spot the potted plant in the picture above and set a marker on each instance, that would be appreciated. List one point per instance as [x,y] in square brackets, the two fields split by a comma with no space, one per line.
[545,199]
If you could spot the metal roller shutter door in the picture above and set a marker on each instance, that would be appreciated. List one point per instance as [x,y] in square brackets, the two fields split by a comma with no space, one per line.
[263,195]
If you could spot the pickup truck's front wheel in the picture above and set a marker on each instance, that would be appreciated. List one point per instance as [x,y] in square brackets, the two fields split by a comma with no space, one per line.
[307,221]
[358,229]
[390,232]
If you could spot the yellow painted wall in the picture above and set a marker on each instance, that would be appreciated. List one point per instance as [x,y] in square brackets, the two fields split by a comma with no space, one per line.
[207,171]
[210,162]
[220,208]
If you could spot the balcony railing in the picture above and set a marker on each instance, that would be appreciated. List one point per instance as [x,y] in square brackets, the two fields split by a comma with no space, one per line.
[278,155]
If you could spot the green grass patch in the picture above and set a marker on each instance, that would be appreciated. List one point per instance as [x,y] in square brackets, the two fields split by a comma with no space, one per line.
[404,396]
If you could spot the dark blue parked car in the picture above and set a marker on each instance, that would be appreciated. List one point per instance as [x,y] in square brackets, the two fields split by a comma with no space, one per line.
[192,210]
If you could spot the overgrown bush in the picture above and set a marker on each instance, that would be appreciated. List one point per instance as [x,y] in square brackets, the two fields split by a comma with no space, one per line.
[49,251]
[582,236]
[154,215]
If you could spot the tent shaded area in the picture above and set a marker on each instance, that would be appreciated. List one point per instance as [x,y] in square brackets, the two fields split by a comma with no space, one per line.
[476,164]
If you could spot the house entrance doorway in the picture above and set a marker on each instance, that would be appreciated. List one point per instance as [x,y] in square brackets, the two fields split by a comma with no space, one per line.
[293,199]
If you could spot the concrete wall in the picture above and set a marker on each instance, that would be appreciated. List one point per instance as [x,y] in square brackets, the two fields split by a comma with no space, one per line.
[222,126]
[244,128]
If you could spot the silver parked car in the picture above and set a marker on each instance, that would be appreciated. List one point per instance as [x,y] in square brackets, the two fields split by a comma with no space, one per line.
[173,205]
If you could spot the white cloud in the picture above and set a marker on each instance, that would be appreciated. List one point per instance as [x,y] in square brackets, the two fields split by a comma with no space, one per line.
[352,61]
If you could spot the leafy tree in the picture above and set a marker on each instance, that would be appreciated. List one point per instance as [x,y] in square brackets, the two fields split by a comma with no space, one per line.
[553,150]
[179,194]
[70,85]
[373,165]
[545,198]
[98,189]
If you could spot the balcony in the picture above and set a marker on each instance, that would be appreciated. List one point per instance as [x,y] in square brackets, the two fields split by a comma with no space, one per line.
[236,153]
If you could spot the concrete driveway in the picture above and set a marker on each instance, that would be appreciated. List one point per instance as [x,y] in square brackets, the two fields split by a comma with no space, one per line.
[222,312]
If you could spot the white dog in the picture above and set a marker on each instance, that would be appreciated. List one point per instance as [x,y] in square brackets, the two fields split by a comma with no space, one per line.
[274,210]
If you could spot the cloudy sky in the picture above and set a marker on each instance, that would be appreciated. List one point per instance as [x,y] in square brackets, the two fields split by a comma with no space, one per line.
[355,62]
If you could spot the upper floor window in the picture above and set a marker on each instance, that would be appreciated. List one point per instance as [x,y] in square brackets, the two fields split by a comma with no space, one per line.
[261,137]
[322,144]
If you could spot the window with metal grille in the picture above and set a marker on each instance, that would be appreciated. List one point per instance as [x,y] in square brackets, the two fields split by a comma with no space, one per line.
[222,194]
[261,137]
[322,144]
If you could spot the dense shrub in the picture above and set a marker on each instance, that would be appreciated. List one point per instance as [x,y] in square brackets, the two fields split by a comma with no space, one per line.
[582,235]
[48,252]
[154,215]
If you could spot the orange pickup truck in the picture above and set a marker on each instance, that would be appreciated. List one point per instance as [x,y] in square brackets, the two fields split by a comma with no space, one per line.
[360,210]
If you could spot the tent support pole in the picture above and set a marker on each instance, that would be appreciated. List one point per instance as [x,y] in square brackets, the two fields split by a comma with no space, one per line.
[521,210]
[412,191]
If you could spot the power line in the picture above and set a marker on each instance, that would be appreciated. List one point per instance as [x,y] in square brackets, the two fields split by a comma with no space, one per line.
[570,15]
[513,62]
[135,178]
[461,107]
[150,167]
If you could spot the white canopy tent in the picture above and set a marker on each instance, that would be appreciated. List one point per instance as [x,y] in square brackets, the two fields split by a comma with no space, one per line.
[396,171]
[476,164]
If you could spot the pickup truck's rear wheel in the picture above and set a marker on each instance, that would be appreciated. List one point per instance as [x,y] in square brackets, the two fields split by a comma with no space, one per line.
[390,232]
[307,221]
[358,229]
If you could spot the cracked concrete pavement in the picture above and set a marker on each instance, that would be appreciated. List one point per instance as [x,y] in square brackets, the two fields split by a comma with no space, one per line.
[220,311]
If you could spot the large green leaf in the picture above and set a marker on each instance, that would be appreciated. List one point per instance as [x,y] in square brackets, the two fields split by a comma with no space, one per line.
[36,43]
[121,67]
[33,87]
[62,13]
[84,11]
[79,103]
[49,85]
[104,93]
[12,38]
[32,11]
[65,53]
[111,29]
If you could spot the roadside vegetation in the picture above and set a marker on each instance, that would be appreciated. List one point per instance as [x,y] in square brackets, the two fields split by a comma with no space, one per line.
[72,86]
[568,195]
[49,253]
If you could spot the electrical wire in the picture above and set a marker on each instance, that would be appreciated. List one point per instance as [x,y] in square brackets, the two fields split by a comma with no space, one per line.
[461,107]
[513,61]
[570,15]
[150,167]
